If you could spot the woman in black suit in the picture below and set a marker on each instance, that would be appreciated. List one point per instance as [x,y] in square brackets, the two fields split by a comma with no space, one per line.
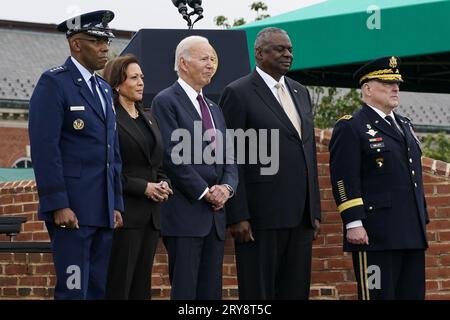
[145,185]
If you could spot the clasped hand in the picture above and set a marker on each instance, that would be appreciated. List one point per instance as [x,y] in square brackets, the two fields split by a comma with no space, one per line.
[217,196]
[158,192]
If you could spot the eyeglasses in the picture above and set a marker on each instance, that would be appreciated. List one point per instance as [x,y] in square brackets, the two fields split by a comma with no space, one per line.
[98,41]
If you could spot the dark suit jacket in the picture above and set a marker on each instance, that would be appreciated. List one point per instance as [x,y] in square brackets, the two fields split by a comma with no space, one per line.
[281,199]
[139,167]
[185,215]
[376,176]
[74,148]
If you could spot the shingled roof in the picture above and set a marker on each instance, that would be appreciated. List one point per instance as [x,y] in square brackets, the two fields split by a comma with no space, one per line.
[430,112]
[25,54]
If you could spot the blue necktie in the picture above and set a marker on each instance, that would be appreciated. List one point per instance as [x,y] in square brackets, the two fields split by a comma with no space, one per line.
[97,99]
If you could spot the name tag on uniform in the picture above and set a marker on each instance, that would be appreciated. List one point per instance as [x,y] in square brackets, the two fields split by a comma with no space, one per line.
[377,145]
[77,108]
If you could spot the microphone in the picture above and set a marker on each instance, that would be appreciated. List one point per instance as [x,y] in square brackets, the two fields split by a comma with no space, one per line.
[196,5]
[182,9]
[181,5]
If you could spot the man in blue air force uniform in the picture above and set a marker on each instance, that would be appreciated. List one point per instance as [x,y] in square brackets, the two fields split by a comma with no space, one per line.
[376,173]
[75,154]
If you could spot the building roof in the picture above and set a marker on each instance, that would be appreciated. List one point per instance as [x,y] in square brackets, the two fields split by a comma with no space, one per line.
[429,112]
[28,50]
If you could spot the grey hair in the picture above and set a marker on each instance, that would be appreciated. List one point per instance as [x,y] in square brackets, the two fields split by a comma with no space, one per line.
[183,48]
[265,34]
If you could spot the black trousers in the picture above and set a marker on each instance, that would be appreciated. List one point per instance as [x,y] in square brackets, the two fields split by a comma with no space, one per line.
[277,265]
[131,262]
[390,275]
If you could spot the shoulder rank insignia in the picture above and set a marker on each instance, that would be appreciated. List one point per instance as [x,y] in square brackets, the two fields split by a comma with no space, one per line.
[57,69]
[346,117]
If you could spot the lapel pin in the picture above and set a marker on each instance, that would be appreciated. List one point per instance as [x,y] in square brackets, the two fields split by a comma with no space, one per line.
[295,90]
[79,79]
[376,121]
[106,90]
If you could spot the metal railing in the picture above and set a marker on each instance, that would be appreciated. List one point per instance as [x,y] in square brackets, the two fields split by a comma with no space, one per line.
[11,226]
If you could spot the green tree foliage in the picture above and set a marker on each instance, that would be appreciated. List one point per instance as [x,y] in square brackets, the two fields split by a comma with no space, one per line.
[239,22]
[437,146]
[258,6]
[329,106]
[222,21]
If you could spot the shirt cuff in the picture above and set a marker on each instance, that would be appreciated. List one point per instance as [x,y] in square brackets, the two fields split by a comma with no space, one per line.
[203,194]
[354,224]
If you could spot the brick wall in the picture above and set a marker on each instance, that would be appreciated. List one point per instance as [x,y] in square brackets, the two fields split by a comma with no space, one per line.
[31,276]
[13,145]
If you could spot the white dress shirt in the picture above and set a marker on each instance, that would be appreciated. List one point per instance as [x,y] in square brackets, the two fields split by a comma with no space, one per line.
[271,82]
[87,78]
[192,95]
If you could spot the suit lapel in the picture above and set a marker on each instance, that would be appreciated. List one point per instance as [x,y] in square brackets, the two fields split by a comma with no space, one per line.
[216,116]
[266,95]
[84,89]
[127,124]
[185,101]
[381,124]
[300,103]
[153,126]
[106,96]
[407,131]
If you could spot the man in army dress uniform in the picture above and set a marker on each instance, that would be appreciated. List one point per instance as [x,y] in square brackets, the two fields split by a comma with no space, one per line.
[75,154]
[376,173]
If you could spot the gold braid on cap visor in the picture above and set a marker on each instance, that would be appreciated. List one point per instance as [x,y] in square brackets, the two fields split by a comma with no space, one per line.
[385,74]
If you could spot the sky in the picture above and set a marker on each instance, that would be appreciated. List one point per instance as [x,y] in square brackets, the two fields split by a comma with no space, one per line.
[139,14]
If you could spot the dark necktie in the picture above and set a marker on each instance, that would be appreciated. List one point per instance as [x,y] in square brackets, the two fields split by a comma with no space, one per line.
[393,125]
[97,99]
[206,119]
